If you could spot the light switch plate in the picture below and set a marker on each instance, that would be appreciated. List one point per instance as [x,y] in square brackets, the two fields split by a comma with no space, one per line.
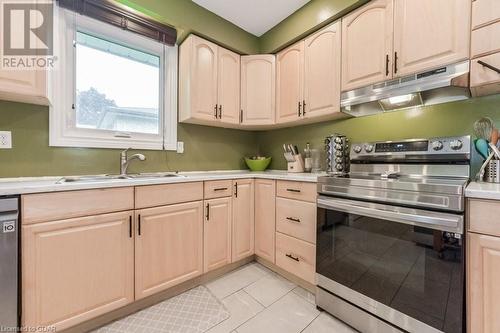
[180,147]
[5,140]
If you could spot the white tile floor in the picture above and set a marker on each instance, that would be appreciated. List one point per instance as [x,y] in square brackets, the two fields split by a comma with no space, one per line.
[261,301]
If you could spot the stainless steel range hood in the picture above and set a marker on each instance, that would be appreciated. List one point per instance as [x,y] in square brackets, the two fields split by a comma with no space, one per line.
[441,85]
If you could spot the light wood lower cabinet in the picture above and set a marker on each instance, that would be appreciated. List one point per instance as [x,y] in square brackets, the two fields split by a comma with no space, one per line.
[265,218]
[243,219]
[483,262]
[76,269]
[168,246]
[296,256]
[217,233]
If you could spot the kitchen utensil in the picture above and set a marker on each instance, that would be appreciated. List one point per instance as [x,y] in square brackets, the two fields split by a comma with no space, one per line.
[494,136]
[480,173]
[483,128]
[495,150]
[482,147]
[258,164]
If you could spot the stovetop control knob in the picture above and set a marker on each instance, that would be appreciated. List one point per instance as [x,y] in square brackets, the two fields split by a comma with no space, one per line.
[368,148]
[357,149]
[456,144]
[437,145]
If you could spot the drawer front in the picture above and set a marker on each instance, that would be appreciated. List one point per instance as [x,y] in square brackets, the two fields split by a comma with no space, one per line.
[64,205]
[296,218]
[485,12]
[161,195]
[296,256]
[485,40]
[481,75]
[483,216]
[296,190]
[218,189]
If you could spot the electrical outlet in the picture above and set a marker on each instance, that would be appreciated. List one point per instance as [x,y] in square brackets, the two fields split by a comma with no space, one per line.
[180,147]
[5,140]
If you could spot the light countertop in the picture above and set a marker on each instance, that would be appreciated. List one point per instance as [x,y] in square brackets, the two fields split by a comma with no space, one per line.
[483,190]
[25,185]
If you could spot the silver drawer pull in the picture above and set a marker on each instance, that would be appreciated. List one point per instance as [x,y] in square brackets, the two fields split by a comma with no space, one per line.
[293,219]
[293,190]
[220,189]
[292,257]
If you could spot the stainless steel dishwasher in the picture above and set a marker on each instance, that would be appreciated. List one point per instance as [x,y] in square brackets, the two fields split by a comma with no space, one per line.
[9,267]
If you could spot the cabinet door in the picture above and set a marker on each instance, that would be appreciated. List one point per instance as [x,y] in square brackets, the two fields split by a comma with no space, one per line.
[28,86]
[229,86]
[483,288]
[243,219]
[429,33]
[198,79]
[265,218]
[322,72]
[367,45]
[168,246]
[258,80]
[217,233]
[76,269]
[290,79]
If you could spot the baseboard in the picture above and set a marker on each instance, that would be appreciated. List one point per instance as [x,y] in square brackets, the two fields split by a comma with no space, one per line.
[154,299]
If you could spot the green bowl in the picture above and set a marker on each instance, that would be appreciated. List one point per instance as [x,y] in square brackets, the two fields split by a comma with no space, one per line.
[258,165]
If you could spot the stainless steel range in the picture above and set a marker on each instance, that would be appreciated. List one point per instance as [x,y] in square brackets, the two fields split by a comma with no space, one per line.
[390,237]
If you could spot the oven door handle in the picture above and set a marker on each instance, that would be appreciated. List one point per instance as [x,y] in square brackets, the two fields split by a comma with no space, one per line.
[417,217]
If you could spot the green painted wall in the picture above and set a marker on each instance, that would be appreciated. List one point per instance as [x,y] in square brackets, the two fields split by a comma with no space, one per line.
[206,148]
[440,120]
[187,17]
[312,16]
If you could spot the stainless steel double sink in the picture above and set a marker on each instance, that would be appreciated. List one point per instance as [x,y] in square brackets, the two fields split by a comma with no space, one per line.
[101,178]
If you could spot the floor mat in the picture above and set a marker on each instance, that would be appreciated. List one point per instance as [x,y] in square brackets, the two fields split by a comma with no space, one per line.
[196,310]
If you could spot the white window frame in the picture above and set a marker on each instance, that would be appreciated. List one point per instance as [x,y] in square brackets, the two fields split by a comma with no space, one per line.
[62,124]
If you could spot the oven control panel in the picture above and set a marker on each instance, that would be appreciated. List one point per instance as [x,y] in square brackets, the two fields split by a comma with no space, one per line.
[451,146]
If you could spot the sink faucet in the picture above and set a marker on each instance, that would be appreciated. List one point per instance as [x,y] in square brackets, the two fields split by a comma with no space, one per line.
[125,161]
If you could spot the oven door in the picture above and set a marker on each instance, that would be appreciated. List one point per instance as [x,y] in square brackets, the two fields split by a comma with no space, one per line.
[403,265]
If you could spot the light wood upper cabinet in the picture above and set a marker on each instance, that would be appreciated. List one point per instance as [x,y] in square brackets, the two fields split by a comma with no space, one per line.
[198,66]
[228,86]
[429,33]
[483,289]
[76,269]
[217,233]
[258,89]
[265,218]
[367,45]
[290,80]
[26,86]
[322,72]
[243,219]
[168,246]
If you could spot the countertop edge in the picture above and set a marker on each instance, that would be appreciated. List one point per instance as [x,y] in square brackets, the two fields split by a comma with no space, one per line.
[483,190]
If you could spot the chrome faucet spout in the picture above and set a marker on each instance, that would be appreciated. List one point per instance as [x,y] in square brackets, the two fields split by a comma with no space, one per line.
[125,160]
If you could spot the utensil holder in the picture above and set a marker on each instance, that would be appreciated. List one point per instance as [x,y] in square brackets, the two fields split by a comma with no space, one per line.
[492,172]
[297,165]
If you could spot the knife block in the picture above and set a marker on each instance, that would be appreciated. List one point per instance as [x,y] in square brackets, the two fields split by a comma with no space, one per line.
[297,165]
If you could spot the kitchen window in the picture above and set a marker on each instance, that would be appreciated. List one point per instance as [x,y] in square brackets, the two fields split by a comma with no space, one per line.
[111,88]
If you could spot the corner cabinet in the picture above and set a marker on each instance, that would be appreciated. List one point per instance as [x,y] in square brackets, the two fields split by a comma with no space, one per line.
[243,229]
[209,84]
[217,233]
[308,78]
[430,33]
[162,258]
[76,269]
[258,90]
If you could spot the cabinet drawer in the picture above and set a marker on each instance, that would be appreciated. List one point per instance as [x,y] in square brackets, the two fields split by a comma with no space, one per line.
[296,190]
[481,75]
[64,205]
[296,218]
[485,40]
[161,195]
[218,189]
[483,216]
[485,12]
[296,256]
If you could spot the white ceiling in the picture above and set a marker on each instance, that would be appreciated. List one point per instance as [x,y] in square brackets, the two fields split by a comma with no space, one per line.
[254,16]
